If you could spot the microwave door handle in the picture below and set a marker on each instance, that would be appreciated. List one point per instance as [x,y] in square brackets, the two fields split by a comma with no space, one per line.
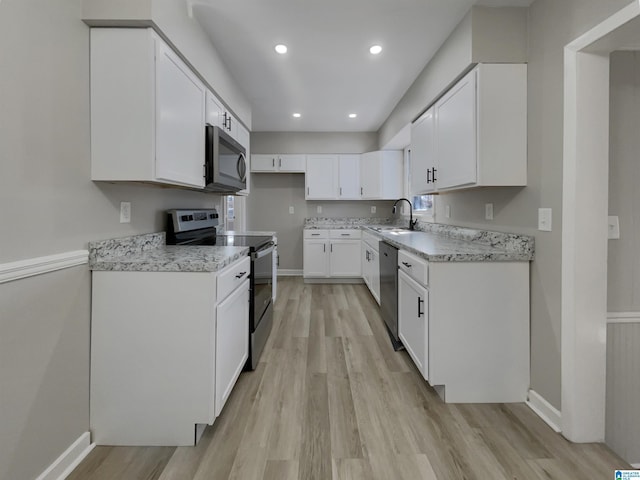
[263,252]
[241,167]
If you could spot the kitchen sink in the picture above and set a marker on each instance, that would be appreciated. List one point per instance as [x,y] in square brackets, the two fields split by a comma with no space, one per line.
[392,230]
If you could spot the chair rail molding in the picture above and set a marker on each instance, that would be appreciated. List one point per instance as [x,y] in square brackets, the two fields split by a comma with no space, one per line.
[36,266]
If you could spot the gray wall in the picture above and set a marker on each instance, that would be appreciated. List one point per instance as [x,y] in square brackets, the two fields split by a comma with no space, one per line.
[624,178]
[272,194]
[51,206]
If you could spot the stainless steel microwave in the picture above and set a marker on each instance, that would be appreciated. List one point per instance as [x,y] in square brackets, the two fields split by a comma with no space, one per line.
[225,162]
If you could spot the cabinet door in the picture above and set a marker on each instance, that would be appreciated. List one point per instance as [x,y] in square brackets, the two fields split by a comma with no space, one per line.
[374,261]
[315,258]
[264,163]
[320,177]
[180,119]
[423,166]
[456,135]
[345,258]
[214,111]
[370,175]
[413,326]
[232,342]
[349,177]
[292,163]
[366,265]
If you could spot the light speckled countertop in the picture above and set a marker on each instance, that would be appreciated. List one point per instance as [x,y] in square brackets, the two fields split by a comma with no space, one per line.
[445,243]
[148,253]
[441,248]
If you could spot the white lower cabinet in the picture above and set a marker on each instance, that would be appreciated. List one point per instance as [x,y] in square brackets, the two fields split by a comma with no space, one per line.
[232,342]
[413,321]
[166,351]
[466,327]
[332,254]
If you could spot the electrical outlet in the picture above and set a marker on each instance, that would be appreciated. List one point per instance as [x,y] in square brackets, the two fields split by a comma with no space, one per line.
[447,211]
[488,211]
[544,219]
[373,209]
[125,212]
[614,228]
[291,210]
[319,209]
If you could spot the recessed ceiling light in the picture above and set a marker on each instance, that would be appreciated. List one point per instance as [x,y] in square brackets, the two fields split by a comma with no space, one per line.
[353,115]
[375,50]
[281,49]
[296,115]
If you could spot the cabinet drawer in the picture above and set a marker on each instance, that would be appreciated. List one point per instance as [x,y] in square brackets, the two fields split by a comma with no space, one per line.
[414,266]
[345,233]
[316,234]
[232,277]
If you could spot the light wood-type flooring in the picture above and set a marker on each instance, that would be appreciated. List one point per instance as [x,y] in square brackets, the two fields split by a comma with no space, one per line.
[332,400]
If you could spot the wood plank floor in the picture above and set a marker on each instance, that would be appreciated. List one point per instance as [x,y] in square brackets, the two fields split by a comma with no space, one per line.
[331,400]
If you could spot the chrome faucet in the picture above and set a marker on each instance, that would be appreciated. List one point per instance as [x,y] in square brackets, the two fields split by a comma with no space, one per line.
[412,223]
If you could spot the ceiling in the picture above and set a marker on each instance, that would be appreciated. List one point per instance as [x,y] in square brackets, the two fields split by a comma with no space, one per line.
[328,71]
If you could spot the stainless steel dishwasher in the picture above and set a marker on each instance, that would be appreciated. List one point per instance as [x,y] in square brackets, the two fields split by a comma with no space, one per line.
[389,291]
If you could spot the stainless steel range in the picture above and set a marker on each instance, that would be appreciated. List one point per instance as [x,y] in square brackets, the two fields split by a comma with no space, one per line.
[198,227]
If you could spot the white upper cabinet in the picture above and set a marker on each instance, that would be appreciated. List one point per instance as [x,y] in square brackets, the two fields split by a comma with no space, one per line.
[349,177]
[219,116]
[179,120]
[320,178]
[456,132]
[475,135]
[381,175]
[278,163]
[422,160]
[147,111]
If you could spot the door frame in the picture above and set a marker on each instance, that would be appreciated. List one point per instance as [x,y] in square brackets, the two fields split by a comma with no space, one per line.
[585,195]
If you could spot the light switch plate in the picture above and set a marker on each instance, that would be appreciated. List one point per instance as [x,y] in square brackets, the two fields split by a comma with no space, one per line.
[125,212]
[545,219]
[291,210]
[488,211]
[447,211]
[614,227]
[319,209]
[373,209]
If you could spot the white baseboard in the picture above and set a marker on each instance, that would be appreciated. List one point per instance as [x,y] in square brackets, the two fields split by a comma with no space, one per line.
[283,272]
[547,412]
[37,266]
[623,317]
[70,459]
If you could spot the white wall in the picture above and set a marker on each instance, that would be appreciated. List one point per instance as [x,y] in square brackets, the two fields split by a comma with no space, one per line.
[50,206]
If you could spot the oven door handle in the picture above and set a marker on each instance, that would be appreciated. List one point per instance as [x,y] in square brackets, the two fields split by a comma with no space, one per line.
[263,252]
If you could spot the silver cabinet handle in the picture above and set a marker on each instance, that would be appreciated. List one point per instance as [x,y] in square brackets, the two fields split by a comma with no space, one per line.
[420,302]
[241,274]
[315,234]
[408,265]
[273,162]
[279,162]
